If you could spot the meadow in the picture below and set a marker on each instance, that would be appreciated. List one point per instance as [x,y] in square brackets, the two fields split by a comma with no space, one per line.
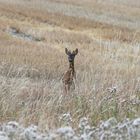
[33,38]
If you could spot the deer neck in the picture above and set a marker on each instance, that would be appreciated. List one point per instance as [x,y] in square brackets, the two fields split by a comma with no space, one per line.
[71,66]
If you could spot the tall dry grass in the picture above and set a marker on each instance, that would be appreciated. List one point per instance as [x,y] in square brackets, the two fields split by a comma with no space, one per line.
[107,68]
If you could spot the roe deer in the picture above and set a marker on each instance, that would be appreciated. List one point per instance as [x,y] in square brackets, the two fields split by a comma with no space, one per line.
[68,77]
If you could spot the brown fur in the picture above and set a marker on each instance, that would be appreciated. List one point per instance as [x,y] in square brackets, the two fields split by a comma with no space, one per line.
[70,75]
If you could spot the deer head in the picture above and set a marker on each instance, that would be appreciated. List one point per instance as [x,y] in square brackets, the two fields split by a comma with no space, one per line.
[71,55]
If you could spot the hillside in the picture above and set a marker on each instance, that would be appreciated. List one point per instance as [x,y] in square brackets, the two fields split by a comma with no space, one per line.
[33,38]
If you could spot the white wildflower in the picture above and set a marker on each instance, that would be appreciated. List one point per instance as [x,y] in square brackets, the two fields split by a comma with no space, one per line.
[66,119]
[11,129]
[3,136]
[136,122]
[66,132]
[30,133]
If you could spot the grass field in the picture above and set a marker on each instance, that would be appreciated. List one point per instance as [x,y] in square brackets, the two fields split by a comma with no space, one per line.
[33,35]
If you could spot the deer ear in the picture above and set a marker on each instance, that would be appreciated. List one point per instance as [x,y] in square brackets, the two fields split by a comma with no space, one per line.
[76,51]
[66,51]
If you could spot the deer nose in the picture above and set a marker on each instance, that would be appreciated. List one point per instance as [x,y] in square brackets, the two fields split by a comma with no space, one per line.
[70,60]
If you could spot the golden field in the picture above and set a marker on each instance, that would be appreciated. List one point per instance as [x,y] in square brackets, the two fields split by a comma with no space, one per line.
[33,60]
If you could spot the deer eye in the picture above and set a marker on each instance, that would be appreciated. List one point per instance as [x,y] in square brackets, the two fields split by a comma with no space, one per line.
[71,57]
